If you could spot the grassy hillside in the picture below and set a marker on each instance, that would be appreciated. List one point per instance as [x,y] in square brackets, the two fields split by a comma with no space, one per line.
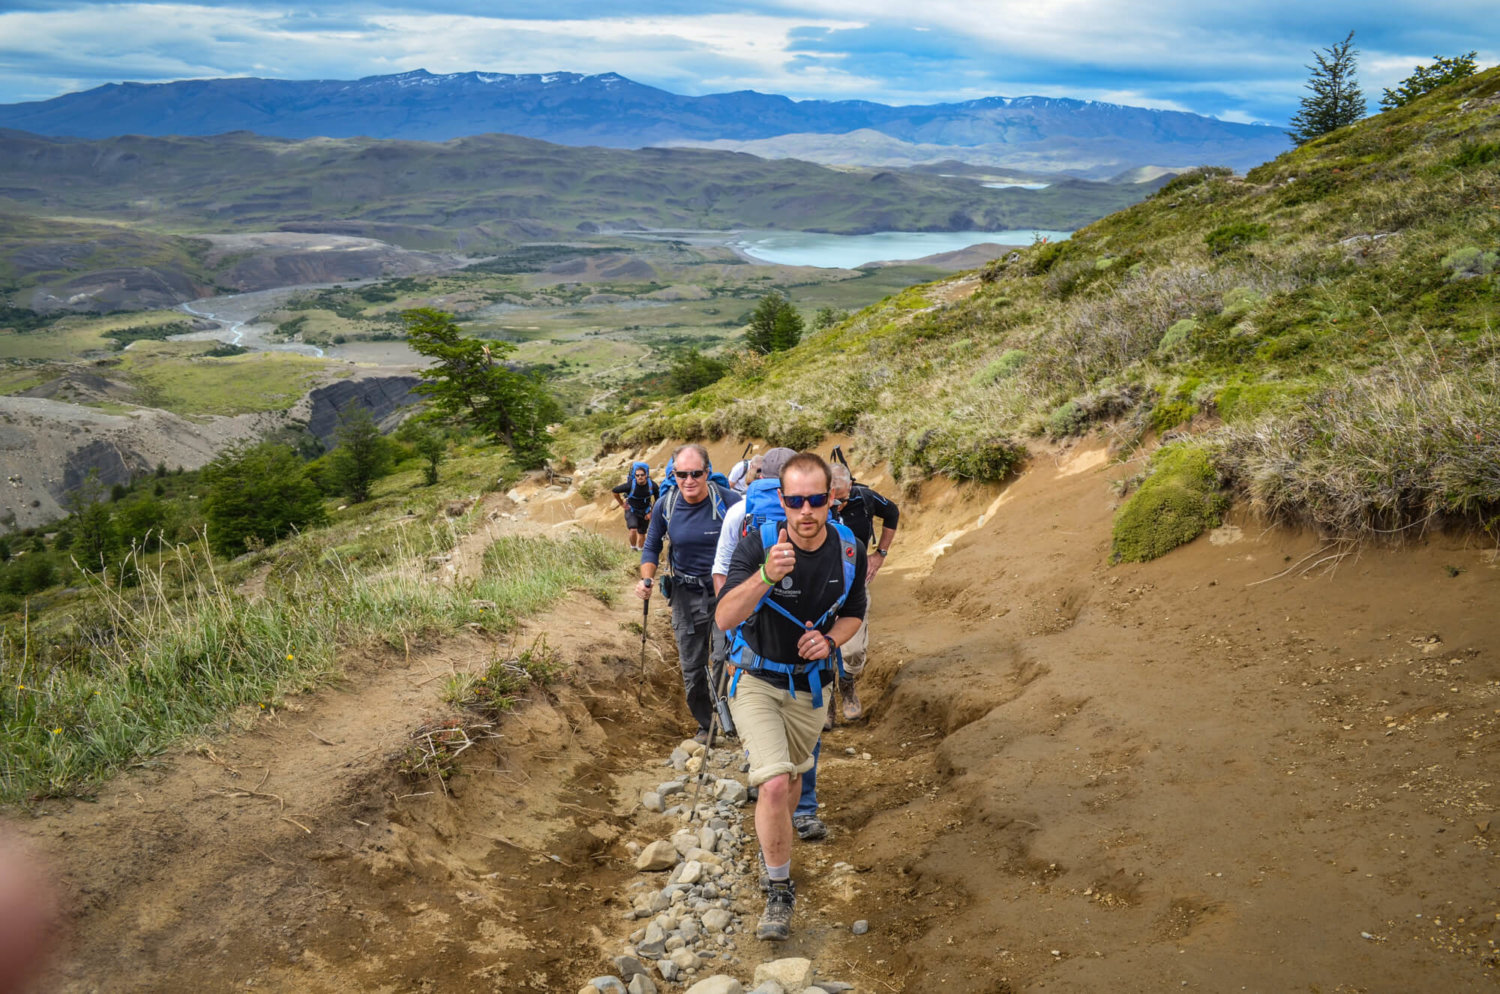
[1323,328]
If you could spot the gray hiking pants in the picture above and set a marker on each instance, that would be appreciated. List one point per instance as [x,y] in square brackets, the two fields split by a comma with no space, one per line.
[698,641]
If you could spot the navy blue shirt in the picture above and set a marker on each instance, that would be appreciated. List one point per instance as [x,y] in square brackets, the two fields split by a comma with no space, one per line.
[693,532]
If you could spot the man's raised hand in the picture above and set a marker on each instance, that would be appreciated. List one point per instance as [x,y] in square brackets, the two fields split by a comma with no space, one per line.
[780,558]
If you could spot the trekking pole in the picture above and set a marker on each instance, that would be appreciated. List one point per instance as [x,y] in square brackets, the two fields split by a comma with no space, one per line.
[721,721]
[641,678]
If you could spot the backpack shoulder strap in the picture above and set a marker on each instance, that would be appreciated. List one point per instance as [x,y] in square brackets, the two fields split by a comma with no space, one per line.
[671,505]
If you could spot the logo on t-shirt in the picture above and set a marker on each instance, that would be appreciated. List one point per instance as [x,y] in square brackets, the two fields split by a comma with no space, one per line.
[786,582]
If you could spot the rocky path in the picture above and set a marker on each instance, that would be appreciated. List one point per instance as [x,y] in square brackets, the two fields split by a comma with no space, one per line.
[700,920]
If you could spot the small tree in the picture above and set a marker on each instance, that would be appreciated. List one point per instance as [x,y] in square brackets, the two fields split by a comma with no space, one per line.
[362,455]
[827,317]
[692,370]
[430,445]
[1427,78]
[775,325]
[94,538]
[468,384]
[258,494]
[1336,99]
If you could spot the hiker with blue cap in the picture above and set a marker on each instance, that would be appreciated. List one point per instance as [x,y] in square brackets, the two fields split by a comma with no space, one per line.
[794,594]
[639,493]
[688,516]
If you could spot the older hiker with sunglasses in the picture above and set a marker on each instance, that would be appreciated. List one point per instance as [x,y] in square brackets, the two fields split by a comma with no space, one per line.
[689,517]
[795,593]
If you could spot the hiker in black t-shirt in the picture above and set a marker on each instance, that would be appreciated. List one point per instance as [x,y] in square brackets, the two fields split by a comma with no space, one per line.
[856,505]
[799,601]
[640,492]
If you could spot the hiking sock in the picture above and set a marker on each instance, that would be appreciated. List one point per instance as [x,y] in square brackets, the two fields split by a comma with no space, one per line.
[782,872]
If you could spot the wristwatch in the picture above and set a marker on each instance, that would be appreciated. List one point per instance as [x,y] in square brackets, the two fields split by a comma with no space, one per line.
[647,581]
[882,553]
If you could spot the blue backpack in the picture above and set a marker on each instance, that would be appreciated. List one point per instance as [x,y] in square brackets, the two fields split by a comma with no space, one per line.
[635,488]
[745,658]
[762,504]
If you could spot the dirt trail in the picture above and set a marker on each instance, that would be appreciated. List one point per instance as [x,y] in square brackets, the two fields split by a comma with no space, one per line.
[1188,775]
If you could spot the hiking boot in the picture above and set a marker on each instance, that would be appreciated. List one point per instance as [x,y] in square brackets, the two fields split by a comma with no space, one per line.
[702,737]
[809,827]
[852,709]
[776,924]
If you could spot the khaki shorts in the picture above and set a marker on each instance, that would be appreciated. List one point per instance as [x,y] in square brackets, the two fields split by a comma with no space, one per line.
[779,731]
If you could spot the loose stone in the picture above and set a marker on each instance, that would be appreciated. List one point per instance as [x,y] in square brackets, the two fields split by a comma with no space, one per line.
[793,973]
[717,984]
[659,855]
[861,927]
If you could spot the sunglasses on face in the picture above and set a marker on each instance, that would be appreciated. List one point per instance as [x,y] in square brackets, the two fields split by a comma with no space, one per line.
[683,474]
[795,501]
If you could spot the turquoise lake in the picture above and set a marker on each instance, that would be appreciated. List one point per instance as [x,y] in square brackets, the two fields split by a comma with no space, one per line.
[804,248]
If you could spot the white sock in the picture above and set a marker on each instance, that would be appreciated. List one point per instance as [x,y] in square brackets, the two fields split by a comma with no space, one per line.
[782,872]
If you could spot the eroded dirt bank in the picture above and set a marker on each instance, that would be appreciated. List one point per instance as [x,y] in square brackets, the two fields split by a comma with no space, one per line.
[1189,775]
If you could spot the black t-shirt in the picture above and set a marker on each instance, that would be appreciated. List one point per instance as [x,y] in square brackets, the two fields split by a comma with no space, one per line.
[639,498]
[812,586]
[863,505]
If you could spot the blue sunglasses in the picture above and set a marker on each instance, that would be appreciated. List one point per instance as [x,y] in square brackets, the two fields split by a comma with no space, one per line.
[795,501]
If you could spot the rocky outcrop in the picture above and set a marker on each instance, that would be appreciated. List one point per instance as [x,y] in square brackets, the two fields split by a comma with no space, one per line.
[386,397]
[49,448]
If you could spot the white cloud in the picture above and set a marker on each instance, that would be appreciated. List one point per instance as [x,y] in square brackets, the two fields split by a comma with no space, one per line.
[1244,61]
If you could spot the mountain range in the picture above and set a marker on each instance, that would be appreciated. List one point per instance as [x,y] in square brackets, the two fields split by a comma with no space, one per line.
[1086,138]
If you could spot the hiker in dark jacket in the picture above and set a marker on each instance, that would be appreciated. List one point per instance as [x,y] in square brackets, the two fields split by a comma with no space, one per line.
[639,493]
[689,517]
[856,505]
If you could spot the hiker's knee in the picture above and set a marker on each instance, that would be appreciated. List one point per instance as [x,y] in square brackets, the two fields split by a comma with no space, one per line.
[777,790]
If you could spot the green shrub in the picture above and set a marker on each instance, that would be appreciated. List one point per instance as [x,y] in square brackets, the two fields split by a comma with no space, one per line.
[1002,368]
[1475,154]
[1169,415]
[1177,338]
[1471,261]
[1178,501]
[1191,178]
[1228,237]
[1067,419]
[800,435]
[983,459]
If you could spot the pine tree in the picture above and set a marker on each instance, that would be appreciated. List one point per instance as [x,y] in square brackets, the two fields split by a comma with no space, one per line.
[258,495]
[775,325]
[1336,98]
[362,456]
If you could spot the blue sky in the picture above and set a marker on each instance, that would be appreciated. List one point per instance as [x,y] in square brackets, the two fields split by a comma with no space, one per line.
[1242,61]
